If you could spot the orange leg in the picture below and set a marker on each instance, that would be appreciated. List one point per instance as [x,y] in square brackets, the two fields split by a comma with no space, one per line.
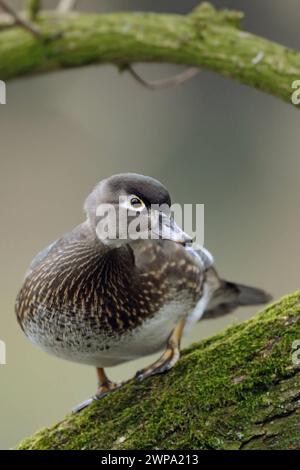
[168,358]
[163,364]
[105,386]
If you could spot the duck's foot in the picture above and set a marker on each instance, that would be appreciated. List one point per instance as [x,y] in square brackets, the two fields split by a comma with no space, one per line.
[83,405]
[105,386]
[162,365]
[102,391]
[169,357]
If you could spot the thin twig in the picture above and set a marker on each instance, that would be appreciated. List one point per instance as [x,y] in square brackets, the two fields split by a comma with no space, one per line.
[65,6]
[164,82]
[19,20]
[33,8]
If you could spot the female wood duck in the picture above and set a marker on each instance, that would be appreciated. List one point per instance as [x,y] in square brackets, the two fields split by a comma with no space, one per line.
[102,301]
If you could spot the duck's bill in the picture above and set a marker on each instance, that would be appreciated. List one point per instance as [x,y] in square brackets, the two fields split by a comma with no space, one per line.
[164,227]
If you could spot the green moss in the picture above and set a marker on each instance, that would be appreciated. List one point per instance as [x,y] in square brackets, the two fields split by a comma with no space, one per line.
[206,38]
[205,12]
[232,391]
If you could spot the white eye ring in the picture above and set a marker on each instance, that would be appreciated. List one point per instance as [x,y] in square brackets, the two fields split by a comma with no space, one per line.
[136,203]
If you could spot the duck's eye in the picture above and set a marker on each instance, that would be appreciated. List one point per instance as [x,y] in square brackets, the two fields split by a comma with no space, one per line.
[136,202]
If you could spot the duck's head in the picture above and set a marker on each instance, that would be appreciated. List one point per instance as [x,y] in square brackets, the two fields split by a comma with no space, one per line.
[129,206]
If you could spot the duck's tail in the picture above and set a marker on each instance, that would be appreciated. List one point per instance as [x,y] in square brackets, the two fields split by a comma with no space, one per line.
[230,295]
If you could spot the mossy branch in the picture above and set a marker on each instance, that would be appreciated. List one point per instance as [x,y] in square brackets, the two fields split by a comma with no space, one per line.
[205,38]
[237,390]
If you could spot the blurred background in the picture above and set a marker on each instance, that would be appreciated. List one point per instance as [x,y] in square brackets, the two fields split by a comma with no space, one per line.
[209,141]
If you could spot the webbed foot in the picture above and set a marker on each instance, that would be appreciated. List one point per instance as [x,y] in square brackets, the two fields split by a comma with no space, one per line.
[105,387]
[169,357]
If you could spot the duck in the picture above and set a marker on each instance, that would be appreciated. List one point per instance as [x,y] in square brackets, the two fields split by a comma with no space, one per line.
[106,293]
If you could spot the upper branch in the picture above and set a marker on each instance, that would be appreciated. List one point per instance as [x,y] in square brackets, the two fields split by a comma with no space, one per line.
[18,20]
[206,38]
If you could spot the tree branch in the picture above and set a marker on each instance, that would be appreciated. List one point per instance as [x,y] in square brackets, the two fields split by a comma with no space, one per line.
[237,390]
[164,82]
[18,20]
[206,38]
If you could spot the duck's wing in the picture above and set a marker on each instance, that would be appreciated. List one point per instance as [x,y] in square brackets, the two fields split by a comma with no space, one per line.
[79,232]
[40,257]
